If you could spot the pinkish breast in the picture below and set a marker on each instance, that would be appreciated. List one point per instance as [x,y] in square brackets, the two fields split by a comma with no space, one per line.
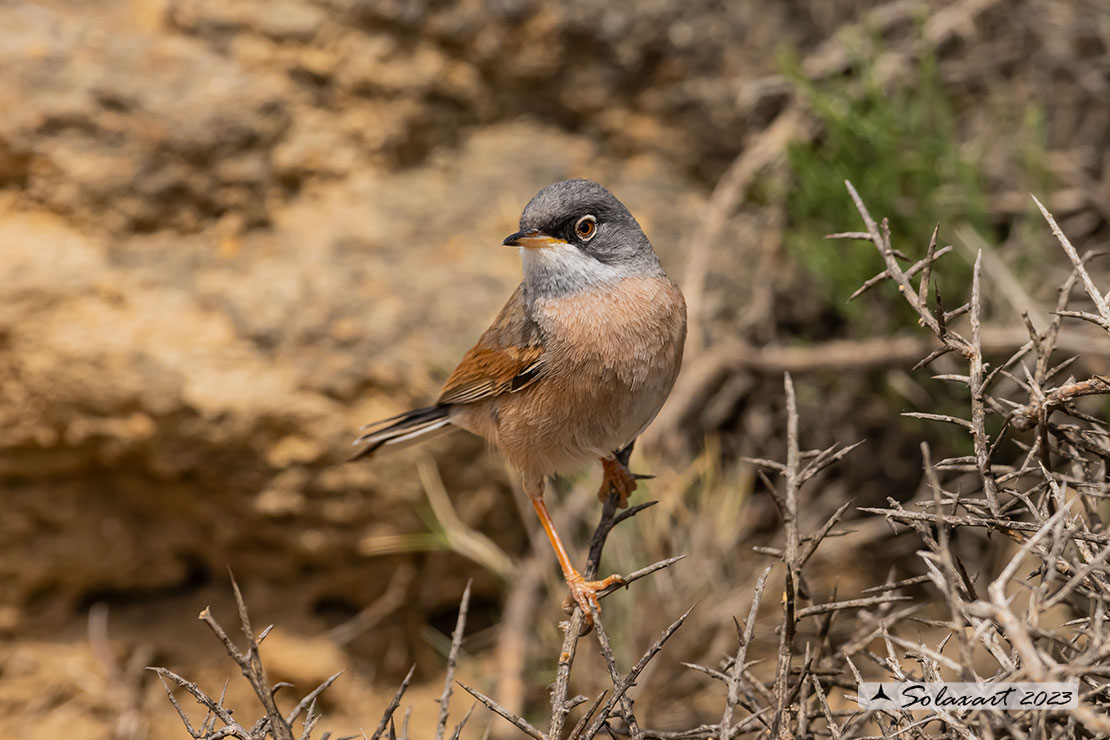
[611,356]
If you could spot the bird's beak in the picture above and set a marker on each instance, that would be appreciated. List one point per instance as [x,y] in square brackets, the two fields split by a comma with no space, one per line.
[532,239]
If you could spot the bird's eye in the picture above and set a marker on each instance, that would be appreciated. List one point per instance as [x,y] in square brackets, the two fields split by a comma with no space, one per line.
[586,228]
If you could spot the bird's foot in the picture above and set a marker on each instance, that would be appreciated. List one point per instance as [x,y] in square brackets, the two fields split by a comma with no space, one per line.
[583,594]
[617,477]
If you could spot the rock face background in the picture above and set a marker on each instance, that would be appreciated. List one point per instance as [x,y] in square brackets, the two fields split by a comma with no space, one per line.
[232,232]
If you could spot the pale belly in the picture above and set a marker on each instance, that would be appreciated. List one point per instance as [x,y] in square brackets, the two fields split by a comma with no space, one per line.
[608,372]
[553,429]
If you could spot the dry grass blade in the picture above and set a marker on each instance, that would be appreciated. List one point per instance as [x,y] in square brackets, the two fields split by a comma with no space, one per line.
[462,538]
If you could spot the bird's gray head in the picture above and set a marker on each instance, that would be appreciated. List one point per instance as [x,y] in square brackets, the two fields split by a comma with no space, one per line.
[576,235]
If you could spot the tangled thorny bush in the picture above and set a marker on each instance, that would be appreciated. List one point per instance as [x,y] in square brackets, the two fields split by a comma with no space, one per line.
[1037,478]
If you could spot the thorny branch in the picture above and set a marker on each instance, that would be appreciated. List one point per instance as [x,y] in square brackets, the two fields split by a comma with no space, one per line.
[561,701]
[1037,477]
[1048,514]
[596,717]
[272,723]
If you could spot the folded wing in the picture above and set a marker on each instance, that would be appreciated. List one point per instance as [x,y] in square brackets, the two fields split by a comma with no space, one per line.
[509,357]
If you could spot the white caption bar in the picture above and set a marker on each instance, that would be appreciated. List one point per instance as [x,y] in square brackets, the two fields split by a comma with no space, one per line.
[956,697]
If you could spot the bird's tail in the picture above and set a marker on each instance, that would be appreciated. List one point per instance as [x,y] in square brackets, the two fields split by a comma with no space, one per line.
[402,430]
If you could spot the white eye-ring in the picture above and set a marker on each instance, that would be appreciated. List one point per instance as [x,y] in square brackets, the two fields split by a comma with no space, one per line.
[586,228]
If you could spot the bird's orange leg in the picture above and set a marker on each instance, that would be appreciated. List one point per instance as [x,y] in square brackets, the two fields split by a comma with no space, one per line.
[617,477]
[582,591]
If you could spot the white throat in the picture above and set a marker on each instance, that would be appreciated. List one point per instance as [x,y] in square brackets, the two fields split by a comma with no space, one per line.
[564,268]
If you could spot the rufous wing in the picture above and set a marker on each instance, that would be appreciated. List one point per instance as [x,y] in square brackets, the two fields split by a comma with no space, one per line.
[509,357]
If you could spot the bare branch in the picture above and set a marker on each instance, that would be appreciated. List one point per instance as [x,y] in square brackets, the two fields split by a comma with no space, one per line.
[519,722]
[387,715]
[1088,284]
[452,658]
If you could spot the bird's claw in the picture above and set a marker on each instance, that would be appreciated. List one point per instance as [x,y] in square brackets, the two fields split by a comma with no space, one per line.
[583,594]
[617,477]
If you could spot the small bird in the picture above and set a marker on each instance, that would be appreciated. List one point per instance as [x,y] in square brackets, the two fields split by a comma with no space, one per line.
[577,363]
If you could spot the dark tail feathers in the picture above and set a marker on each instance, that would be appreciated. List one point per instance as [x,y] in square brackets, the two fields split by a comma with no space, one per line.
[401,430]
